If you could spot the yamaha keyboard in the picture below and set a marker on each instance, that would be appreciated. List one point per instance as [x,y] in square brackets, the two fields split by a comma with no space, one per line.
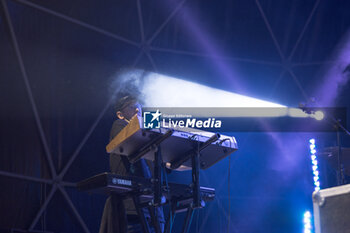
[134,140]
[175,148]
[107,183]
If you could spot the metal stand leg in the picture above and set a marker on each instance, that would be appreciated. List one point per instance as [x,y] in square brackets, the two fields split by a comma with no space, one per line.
[188,220]
[141,215]
[157,177]
[154,219]
[340,171]
[170,219]
[195,181]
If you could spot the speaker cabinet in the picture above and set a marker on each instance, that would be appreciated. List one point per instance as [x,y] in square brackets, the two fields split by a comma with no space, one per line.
[332,210]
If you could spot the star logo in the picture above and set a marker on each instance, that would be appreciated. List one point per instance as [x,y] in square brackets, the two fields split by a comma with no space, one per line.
[151,120]
[156,115]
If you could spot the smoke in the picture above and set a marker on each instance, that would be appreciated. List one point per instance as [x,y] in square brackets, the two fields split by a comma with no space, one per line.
[337,76]
[158,90]
[128,82]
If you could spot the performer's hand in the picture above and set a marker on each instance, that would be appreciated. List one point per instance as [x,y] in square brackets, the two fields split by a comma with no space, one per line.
[181,168]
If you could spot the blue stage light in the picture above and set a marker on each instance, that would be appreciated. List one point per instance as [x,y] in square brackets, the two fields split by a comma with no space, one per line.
[317,183]
[307,215]
[307,222]
[314,163]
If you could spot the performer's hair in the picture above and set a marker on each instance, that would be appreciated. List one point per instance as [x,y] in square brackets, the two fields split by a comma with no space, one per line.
[126,87]
[123,100]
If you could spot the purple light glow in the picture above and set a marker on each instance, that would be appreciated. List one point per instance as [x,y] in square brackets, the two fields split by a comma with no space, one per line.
[206,43]
[337,75]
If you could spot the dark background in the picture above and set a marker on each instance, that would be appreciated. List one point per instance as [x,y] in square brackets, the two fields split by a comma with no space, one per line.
[58,61]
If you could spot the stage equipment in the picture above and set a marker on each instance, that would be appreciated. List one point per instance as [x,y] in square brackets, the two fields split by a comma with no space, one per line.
[340,170]
[331,209]
[128,186]
[135,142]
[314,164]
[189,148]
[337,152]
[330,154]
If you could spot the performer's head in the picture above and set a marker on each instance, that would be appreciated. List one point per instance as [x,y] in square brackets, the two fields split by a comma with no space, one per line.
[127,106]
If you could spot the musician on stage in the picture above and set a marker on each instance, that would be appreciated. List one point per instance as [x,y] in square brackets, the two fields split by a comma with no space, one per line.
[120,216]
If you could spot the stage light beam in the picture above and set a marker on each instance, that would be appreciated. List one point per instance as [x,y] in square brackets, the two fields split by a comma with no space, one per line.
[164,91]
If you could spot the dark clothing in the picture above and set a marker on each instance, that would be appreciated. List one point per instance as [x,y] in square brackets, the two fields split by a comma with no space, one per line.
[117,213]
[120,165]
[114,219]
